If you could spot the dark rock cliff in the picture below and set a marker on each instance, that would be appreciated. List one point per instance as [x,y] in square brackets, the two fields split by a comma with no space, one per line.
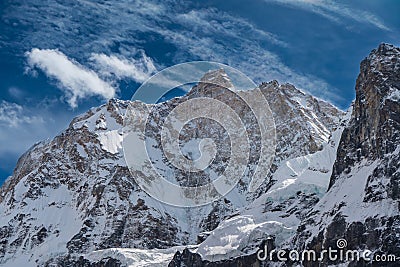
[362,204]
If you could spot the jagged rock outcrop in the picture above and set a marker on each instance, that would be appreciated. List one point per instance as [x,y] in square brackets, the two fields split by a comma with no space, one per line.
[362,204]
[190,259]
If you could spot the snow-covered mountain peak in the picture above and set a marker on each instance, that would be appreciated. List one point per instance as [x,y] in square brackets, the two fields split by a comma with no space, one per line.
[81,179]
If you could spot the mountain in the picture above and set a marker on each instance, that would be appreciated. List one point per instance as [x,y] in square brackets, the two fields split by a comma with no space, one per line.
[74,194]
[72,201]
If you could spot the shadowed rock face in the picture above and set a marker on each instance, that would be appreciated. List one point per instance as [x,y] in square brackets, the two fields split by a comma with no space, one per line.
[189,259]
[373,130]
[362,204]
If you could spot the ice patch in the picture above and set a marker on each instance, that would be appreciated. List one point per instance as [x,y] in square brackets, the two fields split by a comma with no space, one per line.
[136,257]
[111,141]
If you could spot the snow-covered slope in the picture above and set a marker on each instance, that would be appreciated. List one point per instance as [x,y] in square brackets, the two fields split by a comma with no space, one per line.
[298,185]
[74,194]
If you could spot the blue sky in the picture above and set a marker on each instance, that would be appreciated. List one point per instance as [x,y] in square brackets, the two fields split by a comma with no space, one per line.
[59,58]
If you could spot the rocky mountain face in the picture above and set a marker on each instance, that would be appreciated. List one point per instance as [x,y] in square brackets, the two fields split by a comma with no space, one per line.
[362,204]
[296,186]
[297,182]
[75,194]
[314,119]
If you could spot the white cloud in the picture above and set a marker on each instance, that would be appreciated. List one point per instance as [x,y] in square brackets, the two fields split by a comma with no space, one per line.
[335,11]
[137,69]
[77,81]
[13,115]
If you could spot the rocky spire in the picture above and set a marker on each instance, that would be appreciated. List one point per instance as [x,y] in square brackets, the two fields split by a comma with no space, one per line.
[375,123]
[362,204]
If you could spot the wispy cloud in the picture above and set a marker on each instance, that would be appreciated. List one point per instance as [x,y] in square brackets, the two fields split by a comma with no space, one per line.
[23,125]
[138,69]
[13,115]
[201,34]
[335,11]
[247,54]
[76,80]
[212,22]
[15,92]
